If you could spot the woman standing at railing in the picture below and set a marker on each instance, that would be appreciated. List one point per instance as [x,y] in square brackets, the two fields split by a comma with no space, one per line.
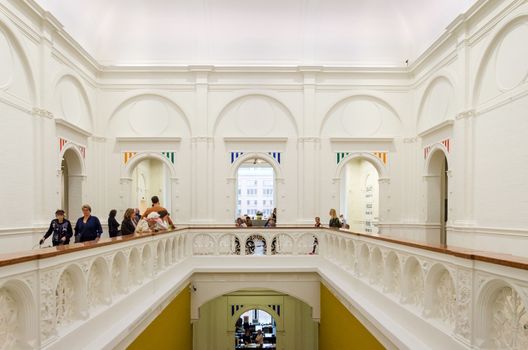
[127,226]
[334,220]
[88,227]
[60,228]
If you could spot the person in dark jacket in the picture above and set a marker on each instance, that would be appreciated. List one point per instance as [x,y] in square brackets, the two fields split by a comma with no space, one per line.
[88,227]
[334,220]
[60,228]
[127,226]
[113,225]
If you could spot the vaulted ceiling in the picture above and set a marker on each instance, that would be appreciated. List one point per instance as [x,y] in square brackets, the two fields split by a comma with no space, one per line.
[256,32]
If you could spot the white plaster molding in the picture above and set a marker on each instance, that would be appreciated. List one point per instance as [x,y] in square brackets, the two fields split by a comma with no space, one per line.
[253,140]
[73,128]
[445,125]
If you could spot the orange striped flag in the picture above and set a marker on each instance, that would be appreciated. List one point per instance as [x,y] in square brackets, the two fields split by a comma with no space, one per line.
[382,155]
[128,155]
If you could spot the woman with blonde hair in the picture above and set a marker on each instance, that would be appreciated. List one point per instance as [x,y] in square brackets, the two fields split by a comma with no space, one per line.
[334,220]
[127,226]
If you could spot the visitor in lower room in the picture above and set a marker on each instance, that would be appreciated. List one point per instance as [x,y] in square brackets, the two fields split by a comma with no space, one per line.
[113,225]
[334,220]
[259,339]
[127,225]
[247,337]
[88,227]
[60,228]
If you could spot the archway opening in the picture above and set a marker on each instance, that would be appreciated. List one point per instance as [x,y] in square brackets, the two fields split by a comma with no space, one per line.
[150,177]
[71,182]
[360,195]
[255,190]
[256,327]
[437,194]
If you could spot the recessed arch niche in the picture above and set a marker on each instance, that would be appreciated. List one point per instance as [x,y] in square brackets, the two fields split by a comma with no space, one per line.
[71,102]
[437,103]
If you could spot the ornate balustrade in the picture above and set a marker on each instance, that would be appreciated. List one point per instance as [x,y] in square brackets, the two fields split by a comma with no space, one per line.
[415,294]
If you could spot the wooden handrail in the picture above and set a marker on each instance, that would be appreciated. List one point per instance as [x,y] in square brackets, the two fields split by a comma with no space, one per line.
[489,257]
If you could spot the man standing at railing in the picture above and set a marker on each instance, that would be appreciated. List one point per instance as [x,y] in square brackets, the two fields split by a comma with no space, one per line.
[156,207]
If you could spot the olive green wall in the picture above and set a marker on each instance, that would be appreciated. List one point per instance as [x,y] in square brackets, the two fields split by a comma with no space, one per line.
[171,329]
[339,329]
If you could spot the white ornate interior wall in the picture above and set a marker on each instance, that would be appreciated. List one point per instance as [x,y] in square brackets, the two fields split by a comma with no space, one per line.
[466,95]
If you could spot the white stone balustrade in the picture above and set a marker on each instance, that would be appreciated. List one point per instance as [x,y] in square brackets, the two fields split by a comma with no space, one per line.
[410,296]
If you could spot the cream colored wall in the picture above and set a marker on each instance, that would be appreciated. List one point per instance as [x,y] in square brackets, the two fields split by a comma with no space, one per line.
[215,328]
[355,175]
[470,88]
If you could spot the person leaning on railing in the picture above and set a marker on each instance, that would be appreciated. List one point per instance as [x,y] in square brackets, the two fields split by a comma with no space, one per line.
[88,227]
[334,220]
[61,229]
[156,207]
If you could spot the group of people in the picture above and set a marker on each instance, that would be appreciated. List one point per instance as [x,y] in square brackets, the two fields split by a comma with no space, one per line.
[88,227]
[245,220]
[335,221]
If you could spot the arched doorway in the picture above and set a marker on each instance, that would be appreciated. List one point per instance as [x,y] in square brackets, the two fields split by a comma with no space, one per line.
[150,177]
[359,199]
[289,324]
[254,324]
[255,189]
[437,189]
[72,178]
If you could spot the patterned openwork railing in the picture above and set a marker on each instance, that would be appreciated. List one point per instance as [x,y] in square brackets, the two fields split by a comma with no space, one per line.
[47,296]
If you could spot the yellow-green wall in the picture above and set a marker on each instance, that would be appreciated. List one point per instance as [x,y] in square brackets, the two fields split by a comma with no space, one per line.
[339,329]
[171,329]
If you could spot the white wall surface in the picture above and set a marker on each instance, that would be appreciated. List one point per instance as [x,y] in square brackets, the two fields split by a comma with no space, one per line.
[469,89]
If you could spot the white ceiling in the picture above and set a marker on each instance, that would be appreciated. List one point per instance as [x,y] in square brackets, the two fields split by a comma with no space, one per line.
[256,32]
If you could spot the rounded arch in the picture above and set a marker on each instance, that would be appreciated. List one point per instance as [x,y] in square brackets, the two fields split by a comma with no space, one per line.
[21,52]
[266,308]
[78,302]
[486,296]
[372,159]
[368,97]
[483,62]
[288,289]
[278,102]
[153,95]
[26,328]
[98,283]
[72,155]
[69,76]
[440,76]
[138,158]
[258,155]
[430,166]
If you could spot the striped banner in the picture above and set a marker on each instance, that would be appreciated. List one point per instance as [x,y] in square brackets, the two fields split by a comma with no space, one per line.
[169,156]
[446,144]
[426,151]
[382,156]
[127,156]
[235,155]
[83,151]
[341,156]
[62,142]
[276,156]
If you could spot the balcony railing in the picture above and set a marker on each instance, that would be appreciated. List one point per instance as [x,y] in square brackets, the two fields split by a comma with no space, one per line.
[418,296]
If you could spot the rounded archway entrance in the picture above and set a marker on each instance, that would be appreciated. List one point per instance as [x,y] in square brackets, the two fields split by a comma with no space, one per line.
[72,177]
[150,177]
[437,189]
[255,189]
[359,194]
[256,328]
